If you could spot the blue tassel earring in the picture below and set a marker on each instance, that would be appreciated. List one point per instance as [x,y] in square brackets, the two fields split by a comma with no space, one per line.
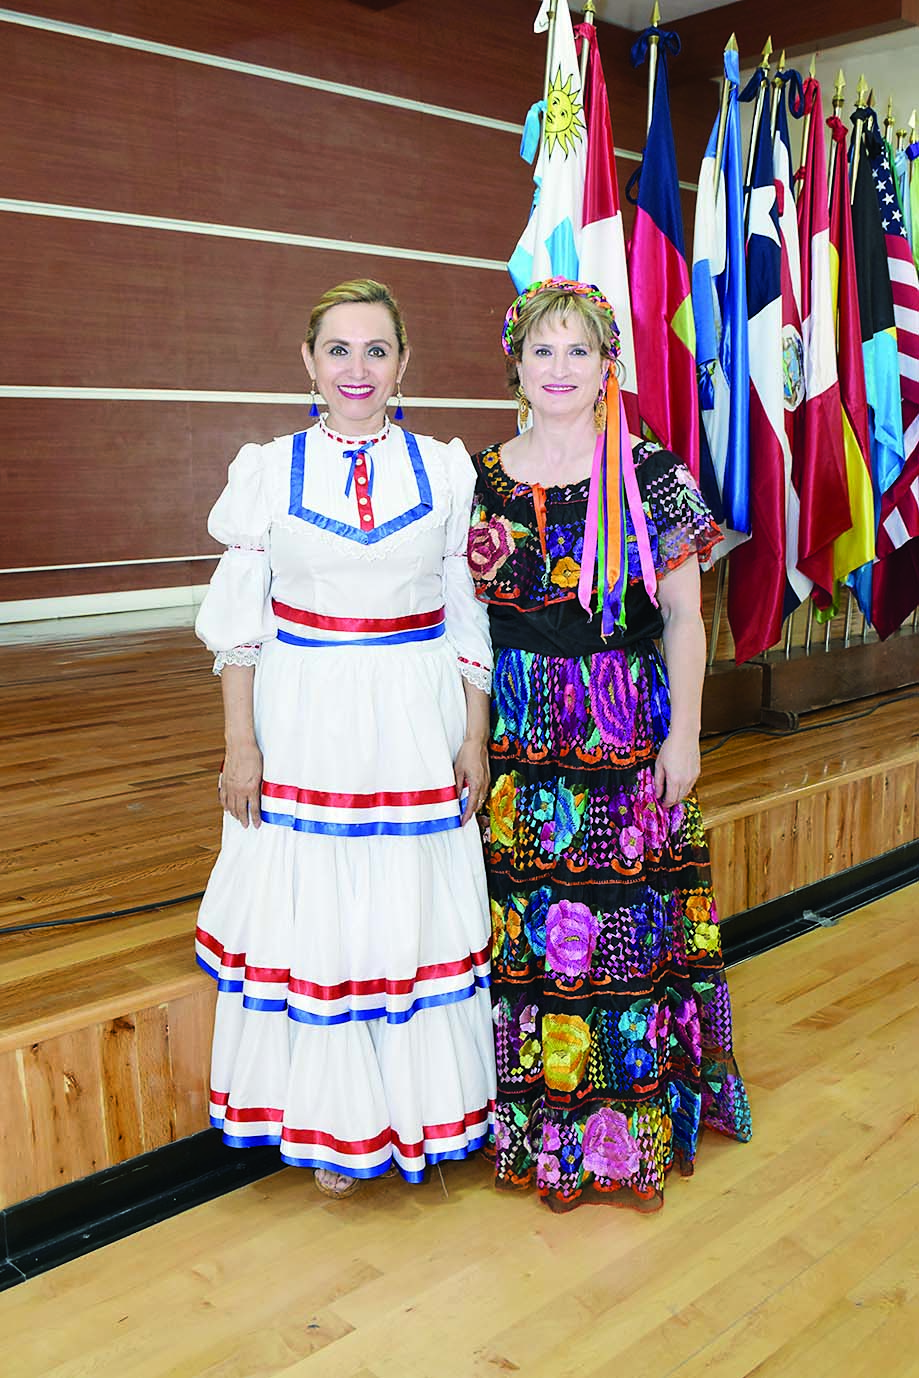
[314,410]
[398,414]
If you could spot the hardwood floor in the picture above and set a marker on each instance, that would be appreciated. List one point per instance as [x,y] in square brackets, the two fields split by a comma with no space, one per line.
[111,749]
[790,1257]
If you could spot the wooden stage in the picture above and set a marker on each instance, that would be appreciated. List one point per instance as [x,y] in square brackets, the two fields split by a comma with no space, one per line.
[790,1256]
[110,756]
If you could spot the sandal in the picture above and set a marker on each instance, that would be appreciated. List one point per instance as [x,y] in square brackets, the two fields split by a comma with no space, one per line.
[335,1184]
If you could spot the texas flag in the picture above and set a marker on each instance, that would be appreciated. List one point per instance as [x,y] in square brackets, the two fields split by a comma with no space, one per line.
[665,333]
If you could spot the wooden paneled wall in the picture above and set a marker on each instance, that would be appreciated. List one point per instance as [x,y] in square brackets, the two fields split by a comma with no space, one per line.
[95,130]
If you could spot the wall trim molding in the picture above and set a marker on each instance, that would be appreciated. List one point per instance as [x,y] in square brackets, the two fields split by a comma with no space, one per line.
[278,399]
[187,596]
[99,216]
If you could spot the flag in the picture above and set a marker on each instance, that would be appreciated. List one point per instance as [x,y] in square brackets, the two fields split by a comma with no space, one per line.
[797,585]
[756,586]
[548,246]
[719,301]
[665,337]
[896,519]
[878,329]
[912,154]
[818,456]
[854,547]
[602,243]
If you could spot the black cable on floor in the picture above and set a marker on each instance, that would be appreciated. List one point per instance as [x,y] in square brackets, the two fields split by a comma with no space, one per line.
[97,918]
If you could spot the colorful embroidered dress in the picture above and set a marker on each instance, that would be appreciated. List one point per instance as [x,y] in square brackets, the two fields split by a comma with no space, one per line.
[349,933]
[611,1008]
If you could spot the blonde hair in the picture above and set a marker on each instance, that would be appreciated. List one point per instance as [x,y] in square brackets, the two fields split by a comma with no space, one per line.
[560,303]
[363,290]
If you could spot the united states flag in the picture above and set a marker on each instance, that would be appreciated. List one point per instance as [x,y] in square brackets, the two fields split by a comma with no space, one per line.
[899,518]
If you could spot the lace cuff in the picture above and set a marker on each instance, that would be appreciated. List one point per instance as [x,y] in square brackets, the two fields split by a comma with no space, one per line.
[477,675]
[239,655]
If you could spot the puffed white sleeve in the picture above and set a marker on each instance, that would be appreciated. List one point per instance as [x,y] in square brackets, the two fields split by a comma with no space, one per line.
[236,615]
[465,618]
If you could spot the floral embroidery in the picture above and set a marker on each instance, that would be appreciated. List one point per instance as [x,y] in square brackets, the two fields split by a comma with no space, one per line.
[491,542]
[565,1047]
[502,811]
[566,573]
[609,1149]
[571,935]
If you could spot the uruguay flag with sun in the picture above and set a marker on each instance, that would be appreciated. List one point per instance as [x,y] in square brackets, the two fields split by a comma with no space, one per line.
[548,246]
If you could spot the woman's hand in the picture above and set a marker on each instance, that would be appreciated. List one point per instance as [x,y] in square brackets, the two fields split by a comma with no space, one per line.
[676,769]
[240,784]
[471,771]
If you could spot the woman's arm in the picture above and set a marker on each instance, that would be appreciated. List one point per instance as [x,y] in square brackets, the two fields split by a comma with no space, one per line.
[471,764]
[678,763]
[240,788]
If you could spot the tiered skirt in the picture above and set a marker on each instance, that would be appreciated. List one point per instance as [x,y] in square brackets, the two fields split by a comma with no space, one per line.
[349,934]
[612,1013]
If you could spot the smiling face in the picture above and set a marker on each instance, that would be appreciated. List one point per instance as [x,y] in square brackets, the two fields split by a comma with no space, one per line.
[356,364]
[561,370]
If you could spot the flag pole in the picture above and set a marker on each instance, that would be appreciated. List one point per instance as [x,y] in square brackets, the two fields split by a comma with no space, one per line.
[729,47]
[861,100]
[550,44]
[776,94]
[653,43]
[588,17]
[757,117]
[889,121]
[838,102]
[805,132]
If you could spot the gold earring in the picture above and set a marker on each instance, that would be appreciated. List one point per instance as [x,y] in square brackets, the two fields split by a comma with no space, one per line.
[314,410]
[600,414]
[398,414]
[523,408]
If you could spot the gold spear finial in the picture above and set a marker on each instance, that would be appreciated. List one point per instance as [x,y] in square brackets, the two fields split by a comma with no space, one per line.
[861,92]
[767,53]
[840,86]
[656,15]
[731,45]
[781,66]
[870,100]
[911,125]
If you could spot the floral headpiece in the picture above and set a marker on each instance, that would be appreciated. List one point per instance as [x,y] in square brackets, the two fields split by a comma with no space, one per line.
[574,289]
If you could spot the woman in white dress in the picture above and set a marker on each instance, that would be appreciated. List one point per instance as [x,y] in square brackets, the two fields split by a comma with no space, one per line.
[346,919]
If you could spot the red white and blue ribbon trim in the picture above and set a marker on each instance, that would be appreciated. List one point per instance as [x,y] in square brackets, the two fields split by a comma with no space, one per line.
[275,989]
[384,813]
[298,627]
[258,1126]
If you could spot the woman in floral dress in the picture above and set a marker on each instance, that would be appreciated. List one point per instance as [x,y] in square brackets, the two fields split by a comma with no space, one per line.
[612,1014]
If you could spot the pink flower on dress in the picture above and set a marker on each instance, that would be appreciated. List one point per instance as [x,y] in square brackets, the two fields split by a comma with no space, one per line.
[551,1139]
[631,842]
[609,1149]
[490,544]
[547,1169]
[571,936]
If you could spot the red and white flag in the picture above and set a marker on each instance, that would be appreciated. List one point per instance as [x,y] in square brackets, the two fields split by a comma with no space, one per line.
[601,249]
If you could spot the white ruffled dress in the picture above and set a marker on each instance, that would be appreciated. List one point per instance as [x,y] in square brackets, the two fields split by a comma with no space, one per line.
[350,933]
